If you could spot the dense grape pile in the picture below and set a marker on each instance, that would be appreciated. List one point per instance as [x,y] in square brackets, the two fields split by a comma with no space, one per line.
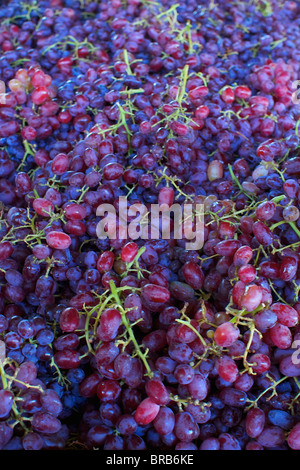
[144,344]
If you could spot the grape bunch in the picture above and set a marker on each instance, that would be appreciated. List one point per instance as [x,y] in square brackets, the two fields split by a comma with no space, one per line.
[123,343]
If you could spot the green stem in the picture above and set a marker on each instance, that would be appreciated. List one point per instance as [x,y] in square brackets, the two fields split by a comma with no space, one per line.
[3,376]
[275,292]
[123,120]
[135,261]
[291,224]
[132,92]
[28,151]
[297,128]
[126,59]
[278,198]
[183,322]
[295,228]
[181,91]
[273,386]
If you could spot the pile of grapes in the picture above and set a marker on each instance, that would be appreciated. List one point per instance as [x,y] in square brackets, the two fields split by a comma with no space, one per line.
[142,344]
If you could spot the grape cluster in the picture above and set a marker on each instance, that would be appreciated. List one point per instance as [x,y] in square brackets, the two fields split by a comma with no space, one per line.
[139,344]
